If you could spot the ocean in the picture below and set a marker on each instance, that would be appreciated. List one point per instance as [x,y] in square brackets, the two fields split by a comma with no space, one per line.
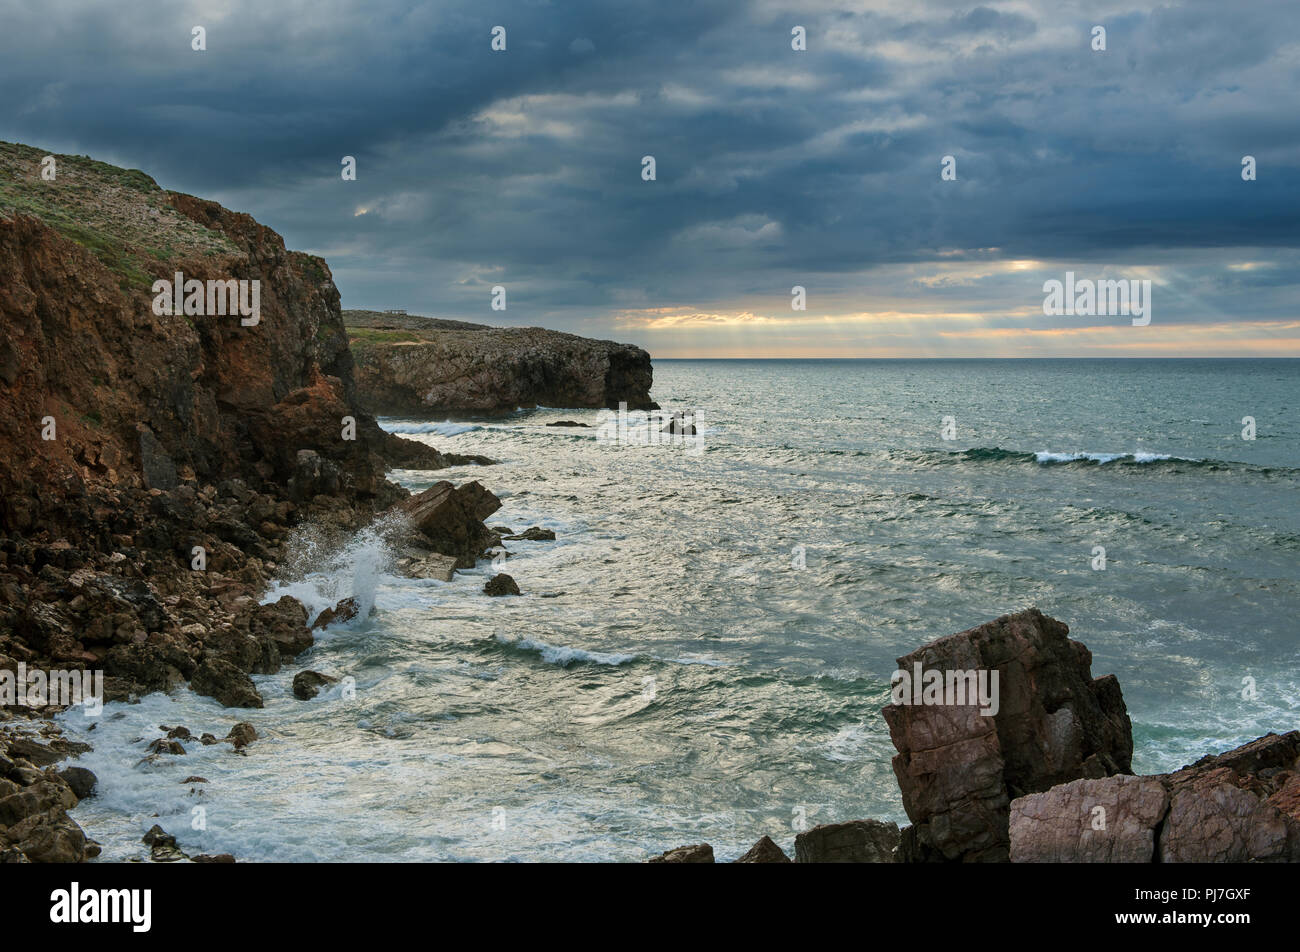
[703,651]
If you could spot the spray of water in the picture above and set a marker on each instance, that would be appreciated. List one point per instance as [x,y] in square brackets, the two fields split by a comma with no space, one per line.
[326,565]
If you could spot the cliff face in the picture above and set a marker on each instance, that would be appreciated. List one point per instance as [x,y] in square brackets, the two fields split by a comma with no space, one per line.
[153,400]
[134,438]
[416,366]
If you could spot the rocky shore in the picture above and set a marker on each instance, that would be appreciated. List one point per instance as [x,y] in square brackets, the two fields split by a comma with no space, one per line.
[159,463]
[1048,778]
[416,366]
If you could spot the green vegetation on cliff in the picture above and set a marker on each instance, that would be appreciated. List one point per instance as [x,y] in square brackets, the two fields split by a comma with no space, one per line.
[121,216]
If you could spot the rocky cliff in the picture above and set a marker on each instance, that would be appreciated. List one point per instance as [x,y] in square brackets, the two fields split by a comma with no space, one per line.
[161,445]
[418,366]
[157,457]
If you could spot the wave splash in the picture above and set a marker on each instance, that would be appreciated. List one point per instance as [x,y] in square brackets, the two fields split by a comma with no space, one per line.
[325,567]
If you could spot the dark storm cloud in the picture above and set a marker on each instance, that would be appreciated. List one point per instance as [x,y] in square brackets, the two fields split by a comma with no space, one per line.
[774,167]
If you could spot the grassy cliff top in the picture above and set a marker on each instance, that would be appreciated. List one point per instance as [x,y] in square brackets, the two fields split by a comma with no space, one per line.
[379,321]
[120,215]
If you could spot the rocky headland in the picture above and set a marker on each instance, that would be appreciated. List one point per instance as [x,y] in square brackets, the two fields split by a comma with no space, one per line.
[159,459]
[417,366]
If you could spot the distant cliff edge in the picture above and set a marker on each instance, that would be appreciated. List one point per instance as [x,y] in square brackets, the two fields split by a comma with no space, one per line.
[407,364]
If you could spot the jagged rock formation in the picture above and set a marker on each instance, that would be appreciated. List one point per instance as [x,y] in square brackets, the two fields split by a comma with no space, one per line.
[1047,777]
[959,770]
[420,366]
[1238,807]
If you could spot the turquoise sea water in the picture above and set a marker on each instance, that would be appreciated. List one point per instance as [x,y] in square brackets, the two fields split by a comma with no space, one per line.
[675,673]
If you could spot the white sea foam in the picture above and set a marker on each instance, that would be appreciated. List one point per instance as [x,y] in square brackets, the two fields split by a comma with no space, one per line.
[561,655]
[446,428]
[323,573]
[1102,458]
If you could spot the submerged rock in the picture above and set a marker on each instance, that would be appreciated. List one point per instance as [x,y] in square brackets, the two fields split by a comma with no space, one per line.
[534,534]
[242,734]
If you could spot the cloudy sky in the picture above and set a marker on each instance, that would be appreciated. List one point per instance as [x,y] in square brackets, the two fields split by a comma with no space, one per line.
[774,167]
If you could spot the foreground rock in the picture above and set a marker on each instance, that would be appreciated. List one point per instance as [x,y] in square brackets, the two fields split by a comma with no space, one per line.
[416,365]
[764,851]
[859,841]
[700,853]
[1237,807]
[958,770]
[34,800]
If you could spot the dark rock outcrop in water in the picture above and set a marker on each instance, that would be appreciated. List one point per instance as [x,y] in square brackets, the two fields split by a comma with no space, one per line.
[959,769]
[419,366]
[450,520]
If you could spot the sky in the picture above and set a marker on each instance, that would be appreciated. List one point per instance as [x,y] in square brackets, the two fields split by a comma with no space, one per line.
[821,168]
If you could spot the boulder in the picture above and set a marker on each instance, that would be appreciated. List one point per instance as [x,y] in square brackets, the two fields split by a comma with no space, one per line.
[219,679]
[242,734]
[1237,807]
[307,684]
[51,837]
[501,584]
[451,519]
[858,841]
[959,769]
[345,610]
[764,851]
[1108,820]
[81,780]
[700,853]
